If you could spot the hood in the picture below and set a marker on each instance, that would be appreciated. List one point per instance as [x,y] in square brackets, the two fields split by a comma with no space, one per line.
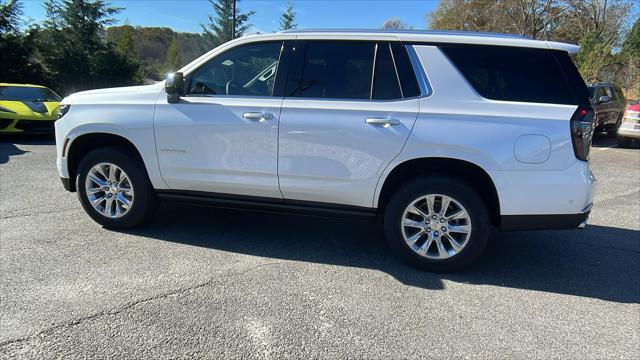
[128,94]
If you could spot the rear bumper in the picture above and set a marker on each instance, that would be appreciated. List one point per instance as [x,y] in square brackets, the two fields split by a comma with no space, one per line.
[629,132]
[544,222]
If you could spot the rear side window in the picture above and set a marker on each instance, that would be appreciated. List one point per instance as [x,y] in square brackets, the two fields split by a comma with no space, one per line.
[358,70]
[520,74]
[386,85]
[337,70]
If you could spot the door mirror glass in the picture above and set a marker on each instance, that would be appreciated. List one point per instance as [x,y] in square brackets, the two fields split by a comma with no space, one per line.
[173,86]
[603,99]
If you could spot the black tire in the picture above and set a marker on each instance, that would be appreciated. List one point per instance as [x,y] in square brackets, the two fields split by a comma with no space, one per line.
[146,201]
[455,188]
[624,142]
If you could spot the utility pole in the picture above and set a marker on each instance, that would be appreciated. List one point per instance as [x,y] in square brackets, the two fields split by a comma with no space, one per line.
[233,26]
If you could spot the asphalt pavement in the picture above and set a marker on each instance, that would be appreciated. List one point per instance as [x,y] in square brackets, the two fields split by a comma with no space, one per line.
[214,283]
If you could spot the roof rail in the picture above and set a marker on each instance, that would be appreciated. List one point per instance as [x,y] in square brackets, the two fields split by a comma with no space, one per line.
[426,32]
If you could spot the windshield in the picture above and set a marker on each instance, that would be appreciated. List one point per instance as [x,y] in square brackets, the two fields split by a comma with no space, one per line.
[591,91]
[23,93]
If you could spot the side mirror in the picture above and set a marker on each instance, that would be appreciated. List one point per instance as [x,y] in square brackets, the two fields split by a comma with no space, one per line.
[603,99]
[174,87]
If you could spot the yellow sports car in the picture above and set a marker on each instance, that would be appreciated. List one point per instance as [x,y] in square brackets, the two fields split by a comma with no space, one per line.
[27,108]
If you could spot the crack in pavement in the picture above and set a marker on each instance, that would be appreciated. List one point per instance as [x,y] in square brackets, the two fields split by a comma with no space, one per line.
[127,306]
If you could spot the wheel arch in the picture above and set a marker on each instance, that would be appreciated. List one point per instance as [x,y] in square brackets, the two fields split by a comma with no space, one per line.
[83,144]
[409,169]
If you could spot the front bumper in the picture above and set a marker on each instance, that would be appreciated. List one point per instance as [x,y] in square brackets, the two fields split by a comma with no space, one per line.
[26,126]
[66,183]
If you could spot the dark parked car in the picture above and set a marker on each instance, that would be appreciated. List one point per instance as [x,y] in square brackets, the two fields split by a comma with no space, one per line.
[609,104]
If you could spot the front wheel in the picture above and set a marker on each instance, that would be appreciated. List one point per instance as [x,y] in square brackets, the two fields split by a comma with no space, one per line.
[437,223]
[114,189]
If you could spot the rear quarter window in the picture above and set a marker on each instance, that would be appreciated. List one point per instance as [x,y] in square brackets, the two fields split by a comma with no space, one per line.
[520,74]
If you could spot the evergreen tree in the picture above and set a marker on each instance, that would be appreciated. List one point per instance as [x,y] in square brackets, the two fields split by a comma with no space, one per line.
[288,17]
[18,62]
[10,17]
[125,44]
[220,28]
[629,57]
[594,59]
[173,62]
[81,58]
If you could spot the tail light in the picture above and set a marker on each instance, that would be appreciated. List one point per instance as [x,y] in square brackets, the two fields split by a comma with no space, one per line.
[582,132]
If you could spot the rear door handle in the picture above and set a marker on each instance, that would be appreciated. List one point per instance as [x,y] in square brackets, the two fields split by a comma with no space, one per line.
[257,116]
[382,121]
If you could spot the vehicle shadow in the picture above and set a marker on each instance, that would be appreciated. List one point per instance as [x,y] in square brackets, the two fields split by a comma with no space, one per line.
[598,262]
[602,140]
[8,144]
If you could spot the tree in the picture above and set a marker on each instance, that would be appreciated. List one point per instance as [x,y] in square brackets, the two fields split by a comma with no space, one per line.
[607,17]
[74,49]
[125,45]
[288,17]
[10,17]
[629,56]
[173,62]
[220,28]
[594,59]
[18,62]
[395,24]
[533,18]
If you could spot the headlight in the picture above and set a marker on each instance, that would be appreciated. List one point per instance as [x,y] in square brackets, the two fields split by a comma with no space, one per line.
[62,110]
[4,109]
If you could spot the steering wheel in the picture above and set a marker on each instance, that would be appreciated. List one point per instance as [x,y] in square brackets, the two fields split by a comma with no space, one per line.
[232,85]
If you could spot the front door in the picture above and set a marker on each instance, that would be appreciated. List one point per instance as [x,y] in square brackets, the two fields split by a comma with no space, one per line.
[222,136]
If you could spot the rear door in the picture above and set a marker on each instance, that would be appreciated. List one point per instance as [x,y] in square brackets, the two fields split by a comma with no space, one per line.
[343,121]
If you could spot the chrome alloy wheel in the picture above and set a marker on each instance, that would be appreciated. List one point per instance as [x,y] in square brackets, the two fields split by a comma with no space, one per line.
[436,226]
[109,190]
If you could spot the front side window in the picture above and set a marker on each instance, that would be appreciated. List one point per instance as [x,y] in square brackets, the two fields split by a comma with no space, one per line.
[248,70]
[337,70]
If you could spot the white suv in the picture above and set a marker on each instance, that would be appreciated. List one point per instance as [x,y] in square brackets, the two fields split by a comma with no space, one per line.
[441,135]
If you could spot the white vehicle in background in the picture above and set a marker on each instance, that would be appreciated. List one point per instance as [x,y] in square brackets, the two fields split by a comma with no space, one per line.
[629,128]
[441,135]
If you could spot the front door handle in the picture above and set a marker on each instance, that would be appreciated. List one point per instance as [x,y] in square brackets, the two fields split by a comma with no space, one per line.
[257,116]
[382,121]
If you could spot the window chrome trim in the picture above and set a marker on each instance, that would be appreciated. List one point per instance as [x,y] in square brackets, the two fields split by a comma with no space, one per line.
[423,83]
[395,68]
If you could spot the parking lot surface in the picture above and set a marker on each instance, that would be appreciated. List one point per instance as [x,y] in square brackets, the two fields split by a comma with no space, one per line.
[203,282]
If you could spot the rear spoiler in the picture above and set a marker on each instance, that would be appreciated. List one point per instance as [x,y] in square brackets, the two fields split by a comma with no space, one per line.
[570,48]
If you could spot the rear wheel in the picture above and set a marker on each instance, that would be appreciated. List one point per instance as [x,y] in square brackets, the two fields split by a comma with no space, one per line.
[114,189]
[437,223]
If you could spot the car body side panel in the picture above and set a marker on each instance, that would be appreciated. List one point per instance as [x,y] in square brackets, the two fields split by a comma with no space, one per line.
[126,112]
[328,153]
[455,122]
